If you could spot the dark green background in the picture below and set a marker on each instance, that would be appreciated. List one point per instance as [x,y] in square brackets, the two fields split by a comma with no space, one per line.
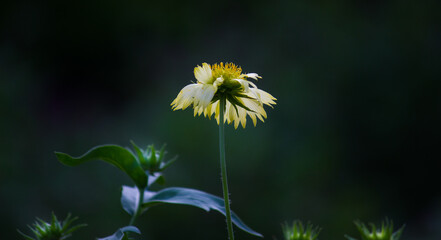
[355,133]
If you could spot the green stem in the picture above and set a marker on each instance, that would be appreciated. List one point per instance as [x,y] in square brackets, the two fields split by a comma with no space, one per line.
[138,209]
[224,167]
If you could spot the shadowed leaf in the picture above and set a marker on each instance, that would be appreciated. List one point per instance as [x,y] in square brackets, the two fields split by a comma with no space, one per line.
[118,235]
[113,154]
[184,196]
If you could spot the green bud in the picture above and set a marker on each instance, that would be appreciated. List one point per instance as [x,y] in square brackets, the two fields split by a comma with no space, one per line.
[298,232]
[384,233]
[152,160]
[55,230]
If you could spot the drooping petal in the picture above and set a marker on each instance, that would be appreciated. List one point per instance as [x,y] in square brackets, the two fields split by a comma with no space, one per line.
[253,117]
[207,111]
[230,112]
[266,98]
[198,111]
[255,106]
[254,94]
[241,117]
[217,111]
[207,93]
[227,112]
[211,109]
[186,96]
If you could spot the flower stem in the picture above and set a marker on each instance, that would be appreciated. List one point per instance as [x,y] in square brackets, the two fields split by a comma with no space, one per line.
[224,167]
[139,207]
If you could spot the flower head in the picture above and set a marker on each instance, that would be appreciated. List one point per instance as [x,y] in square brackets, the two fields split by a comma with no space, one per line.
[243,98]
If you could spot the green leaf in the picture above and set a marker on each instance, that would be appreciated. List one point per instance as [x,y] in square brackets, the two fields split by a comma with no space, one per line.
[118,235]
[130,198]
[138,152]
[184,196]
[113,154]
[156,178]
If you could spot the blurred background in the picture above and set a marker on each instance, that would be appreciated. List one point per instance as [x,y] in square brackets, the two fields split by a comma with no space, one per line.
[355,133]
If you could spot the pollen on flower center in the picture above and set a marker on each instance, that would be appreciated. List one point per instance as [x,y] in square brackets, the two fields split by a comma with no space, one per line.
[227,71]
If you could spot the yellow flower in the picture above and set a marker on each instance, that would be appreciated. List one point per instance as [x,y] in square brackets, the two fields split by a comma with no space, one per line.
[224,81]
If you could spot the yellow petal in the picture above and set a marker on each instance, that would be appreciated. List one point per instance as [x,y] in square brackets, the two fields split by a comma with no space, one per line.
[253,117]
[242,117]
[207,111]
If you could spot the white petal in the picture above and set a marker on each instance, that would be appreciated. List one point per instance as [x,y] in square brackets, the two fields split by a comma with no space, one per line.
[266,97]
[204,95]
[255,106]
[230,112]
[218,81]
[253,75]
[254,94]
[203,74]
[244,83]
[216,111]
[242,118]
[186,96]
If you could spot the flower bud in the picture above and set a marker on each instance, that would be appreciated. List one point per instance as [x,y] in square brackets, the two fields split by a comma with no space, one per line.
[54,230]
[152,160]
[385,233]
[298,232]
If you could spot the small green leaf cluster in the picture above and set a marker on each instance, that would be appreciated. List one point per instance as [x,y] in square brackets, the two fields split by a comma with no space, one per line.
[298,232]
[152,160]
[54,230]
[386,232]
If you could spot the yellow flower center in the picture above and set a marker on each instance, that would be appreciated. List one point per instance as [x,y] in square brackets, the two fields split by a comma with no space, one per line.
[227,71]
